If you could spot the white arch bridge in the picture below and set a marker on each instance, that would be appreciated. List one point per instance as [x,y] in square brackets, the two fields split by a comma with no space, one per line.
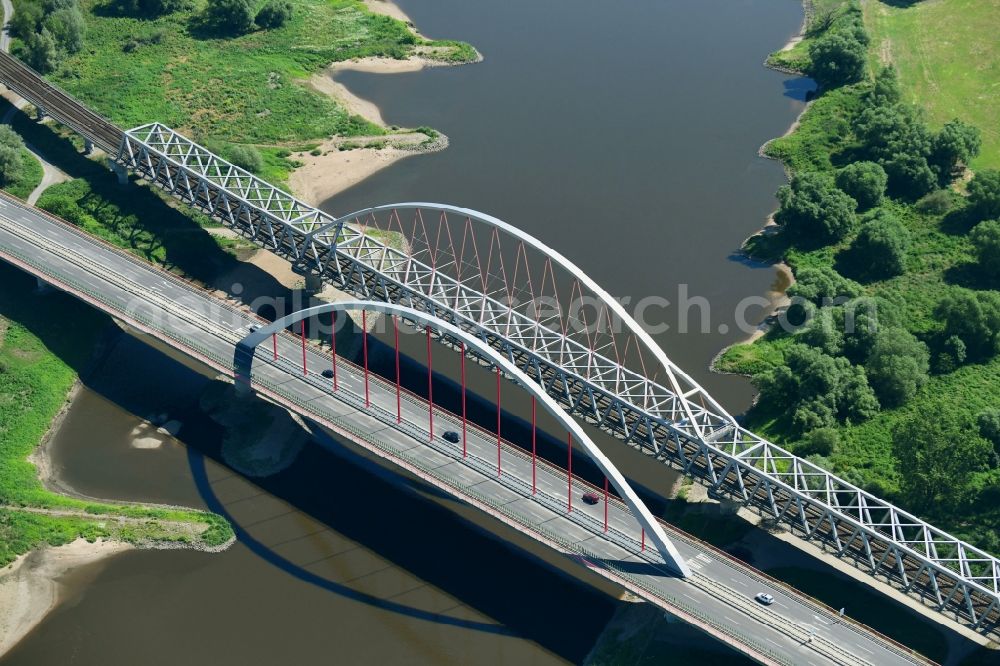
[560,330]
[564,332]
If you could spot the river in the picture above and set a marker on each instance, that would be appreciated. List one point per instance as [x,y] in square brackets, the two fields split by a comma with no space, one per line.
[625,134]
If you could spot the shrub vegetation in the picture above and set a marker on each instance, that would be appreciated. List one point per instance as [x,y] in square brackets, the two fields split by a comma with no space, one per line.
[897,354]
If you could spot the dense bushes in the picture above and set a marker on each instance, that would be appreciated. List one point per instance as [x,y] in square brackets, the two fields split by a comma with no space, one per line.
[11,162]
[813,211]
[864,182]
[897,367]
[245,157]
[819,390]
[984,195]
[274,14]
[227,17]
[937,459]
[838,54]
[974,319]
[822,285]
[879,251]
[985,239]
[48,30]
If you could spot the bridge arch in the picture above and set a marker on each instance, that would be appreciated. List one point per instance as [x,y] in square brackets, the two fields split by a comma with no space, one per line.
[626,362]
[243,364]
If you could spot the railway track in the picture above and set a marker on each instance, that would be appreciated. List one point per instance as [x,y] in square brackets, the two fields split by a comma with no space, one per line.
[29,84]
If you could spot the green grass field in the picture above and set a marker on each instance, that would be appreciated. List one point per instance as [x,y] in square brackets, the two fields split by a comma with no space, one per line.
[40,358]
[940,250]
[247,89]
[947,53]
[31,176]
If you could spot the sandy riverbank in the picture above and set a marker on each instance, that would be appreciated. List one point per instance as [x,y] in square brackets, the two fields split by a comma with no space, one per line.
[30,587]
[333,170]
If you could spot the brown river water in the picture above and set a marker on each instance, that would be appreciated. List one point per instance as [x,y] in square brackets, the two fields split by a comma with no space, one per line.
[632,129]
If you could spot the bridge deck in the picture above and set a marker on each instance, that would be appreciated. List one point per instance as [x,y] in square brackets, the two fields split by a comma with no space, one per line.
[717,598]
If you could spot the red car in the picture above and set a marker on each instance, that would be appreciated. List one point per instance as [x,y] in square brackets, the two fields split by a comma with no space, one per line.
[591,498]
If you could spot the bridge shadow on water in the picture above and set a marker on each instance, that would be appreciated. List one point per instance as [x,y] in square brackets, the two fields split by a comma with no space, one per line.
[363,502]
[409,524]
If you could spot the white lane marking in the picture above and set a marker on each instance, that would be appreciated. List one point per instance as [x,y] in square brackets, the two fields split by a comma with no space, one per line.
[689,596]
[729,618]
[864,648]
[736,580]
[773,642]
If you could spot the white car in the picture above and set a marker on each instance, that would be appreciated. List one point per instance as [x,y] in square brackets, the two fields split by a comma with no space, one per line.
[764,598]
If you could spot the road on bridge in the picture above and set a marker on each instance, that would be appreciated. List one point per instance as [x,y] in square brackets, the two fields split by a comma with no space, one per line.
[717,598]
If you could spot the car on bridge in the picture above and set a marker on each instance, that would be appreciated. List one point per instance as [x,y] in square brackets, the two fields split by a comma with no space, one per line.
[328,373]
[764,598]
[591,498]
[450,436]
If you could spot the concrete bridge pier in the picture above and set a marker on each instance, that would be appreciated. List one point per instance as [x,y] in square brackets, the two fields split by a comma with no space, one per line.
[43,287]
[313,282]
[119,171]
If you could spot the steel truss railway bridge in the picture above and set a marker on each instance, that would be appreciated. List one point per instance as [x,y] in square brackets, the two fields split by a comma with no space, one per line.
[505,298]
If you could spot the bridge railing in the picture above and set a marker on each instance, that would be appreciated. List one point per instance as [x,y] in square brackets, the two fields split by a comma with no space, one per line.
[679,424]
[224,363]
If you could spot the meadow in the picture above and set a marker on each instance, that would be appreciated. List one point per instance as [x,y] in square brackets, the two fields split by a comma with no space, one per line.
[246,89]
[948,57]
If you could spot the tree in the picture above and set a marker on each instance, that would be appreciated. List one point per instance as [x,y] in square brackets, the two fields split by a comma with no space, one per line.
[937,459]
[956,142]
[984,195]
[951,355]
[812,210]
[274,14]
[11,163]
[897,138]
[819,442]
[885,131]
[837,58]
[985,239]
[230,17]
[989,426]
[245,157]
[27,19]
[825,332]
[817,389]
[67,28]
[41,51]
[821,284]
[910,174]
[879,251]
[864,182]
[897,367]
[861,319]
[974,318]
[885,91]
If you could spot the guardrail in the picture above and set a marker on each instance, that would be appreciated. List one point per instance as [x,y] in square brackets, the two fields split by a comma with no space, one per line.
[225,365]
